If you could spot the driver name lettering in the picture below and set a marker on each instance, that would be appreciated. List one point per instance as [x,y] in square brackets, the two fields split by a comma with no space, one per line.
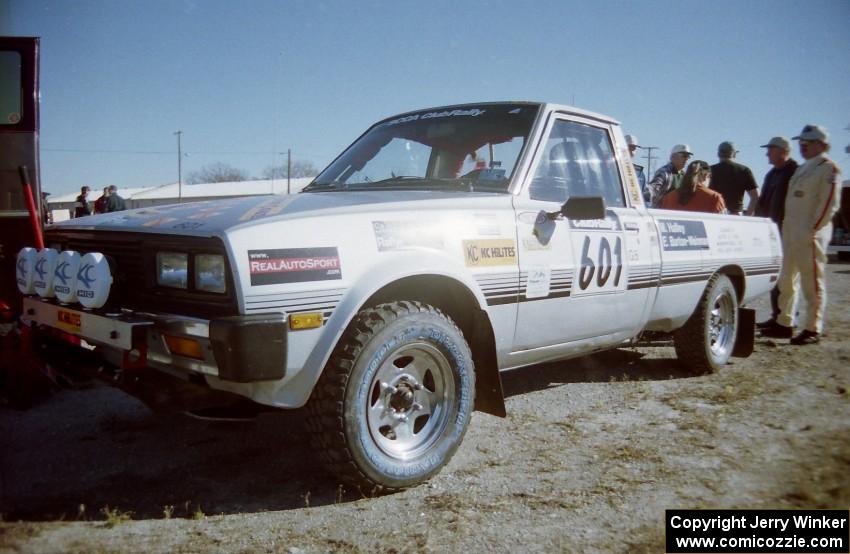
[479,253]
[683,235]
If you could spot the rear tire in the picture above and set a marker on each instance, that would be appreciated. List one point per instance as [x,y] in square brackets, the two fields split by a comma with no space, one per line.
[705,343]
[395,399]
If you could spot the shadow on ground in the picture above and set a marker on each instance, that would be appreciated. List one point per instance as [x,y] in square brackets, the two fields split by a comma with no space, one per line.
[604,367]
[83,451]
[74,465]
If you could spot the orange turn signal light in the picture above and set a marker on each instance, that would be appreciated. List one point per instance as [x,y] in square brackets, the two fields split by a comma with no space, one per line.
[305,321]
[183,346]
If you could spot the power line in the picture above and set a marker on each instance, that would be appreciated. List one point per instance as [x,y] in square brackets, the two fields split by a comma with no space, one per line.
[84,151]
[164,152]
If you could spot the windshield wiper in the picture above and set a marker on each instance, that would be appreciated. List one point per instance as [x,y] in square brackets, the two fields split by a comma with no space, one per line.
[395,179]
[402,182]
[323,186]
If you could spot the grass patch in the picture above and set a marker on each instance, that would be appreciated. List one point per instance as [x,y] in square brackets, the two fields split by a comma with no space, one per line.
[115,517]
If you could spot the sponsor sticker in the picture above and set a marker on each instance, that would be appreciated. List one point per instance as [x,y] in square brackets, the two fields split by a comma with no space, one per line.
[473,112]
[67,320]
[533,244]
[400,235]
[159,221]
[610,223]
[294,265]
[539,278]
[631,179]
[683,234]
[270,207]
[488,252]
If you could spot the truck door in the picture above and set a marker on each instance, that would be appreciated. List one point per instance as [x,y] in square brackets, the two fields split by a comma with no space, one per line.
[19,146]
[576,276]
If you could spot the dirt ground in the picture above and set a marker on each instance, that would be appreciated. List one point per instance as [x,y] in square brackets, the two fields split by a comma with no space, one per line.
[591,454]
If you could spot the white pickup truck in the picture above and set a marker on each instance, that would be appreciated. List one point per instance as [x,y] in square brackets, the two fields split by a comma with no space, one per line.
[442,247]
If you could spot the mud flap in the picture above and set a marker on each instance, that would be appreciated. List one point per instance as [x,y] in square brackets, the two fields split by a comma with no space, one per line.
[745,341]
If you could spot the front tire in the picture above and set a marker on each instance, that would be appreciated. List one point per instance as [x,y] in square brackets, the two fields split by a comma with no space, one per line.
[395,399]
[705,343]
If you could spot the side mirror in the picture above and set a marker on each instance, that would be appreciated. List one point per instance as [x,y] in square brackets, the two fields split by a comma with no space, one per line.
[584,207]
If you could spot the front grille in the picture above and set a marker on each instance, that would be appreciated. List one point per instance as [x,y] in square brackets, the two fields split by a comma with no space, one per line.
[133,261]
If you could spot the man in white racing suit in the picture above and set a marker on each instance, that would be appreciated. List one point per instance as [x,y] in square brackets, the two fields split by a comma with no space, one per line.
[811,202]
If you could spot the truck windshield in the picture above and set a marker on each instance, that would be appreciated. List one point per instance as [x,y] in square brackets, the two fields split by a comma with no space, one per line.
[467,148]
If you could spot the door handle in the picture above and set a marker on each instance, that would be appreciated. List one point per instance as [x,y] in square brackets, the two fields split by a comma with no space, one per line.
[631,226]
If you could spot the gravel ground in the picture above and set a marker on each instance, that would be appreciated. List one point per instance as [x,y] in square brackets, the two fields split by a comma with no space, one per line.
[591,454]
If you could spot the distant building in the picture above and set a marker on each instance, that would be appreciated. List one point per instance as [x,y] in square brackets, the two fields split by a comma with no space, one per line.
[140,197]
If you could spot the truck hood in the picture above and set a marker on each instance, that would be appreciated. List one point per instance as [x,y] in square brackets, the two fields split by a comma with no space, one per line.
[214,217]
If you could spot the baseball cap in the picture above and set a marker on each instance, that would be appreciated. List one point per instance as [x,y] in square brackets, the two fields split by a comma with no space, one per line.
[813,132]
[632,140]
[681,148]
[779,142]
[725,148]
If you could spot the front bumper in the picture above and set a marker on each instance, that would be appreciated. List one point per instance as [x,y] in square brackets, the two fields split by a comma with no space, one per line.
[241,349]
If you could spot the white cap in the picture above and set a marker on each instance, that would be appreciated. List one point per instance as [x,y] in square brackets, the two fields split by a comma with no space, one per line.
[681,148]
[632,140]
[813,132]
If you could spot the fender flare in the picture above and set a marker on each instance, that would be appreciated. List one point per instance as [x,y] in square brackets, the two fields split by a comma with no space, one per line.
[390,270]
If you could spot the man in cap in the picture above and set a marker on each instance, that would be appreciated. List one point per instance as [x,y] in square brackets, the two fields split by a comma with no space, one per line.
[732,180]
[668,176]
[771,201]
[632,142]
[811,202]
[82,207]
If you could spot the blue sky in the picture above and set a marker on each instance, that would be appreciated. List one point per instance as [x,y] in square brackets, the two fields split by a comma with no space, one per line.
[244,81]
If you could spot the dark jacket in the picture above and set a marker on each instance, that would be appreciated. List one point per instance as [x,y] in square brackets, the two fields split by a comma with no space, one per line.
[114,203]
[100,205]
[81,206]
[772,198]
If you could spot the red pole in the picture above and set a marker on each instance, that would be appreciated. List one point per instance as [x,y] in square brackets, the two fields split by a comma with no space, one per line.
[36,224]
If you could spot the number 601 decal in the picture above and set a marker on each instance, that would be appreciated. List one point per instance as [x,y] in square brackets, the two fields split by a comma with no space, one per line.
[600,265]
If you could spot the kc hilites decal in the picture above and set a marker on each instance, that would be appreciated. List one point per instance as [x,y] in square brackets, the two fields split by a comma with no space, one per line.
[294,265]
[486,252]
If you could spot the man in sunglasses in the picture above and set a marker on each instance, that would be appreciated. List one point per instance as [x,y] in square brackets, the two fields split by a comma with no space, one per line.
[810,203]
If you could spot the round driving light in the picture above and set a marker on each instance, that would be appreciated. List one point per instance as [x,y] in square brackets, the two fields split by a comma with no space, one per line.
[93,280]
[24,270]
[45,265]
[65,276]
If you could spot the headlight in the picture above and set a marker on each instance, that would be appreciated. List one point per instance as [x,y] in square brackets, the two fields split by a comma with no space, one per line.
[209,273]
[172,269]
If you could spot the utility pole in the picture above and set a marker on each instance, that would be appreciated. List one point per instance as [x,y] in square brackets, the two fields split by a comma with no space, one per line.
[649,157]
[288,168]
[179,167]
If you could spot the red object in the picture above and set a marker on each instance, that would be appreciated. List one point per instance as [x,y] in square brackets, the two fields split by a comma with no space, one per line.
[34,220]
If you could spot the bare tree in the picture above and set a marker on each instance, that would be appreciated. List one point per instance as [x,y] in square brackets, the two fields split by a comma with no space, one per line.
[217,172]
[300,168]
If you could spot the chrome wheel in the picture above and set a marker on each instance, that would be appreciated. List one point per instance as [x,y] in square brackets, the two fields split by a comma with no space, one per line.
[396,397]
[706,341]
[408,402]
[721,325]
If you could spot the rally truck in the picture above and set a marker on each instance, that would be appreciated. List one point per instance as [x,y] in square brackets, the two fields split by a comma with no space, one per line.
[442,247]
